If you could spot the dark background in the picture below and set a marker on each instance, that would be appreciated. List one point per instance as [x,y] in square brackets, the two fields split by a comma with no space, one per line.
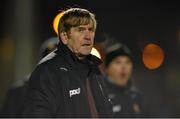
[25,24]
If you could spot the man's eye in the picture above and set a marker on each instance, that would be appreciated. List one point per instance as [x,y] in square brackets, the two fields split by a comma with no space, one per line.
[80,29]
[90,29]
[118,62]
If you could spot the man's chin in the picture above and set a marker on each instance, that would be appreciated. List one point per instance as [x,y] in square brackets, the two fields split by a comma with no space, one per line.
[85,53]
[122,84]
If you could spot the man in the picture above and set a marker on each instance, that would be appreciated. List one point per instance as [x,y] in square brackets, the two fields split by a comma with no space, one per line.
[125,97]
[68,83]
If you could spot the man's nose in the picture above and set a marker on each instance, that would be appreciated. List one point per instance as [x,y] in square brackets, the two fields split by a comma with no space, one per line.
[123,67]
[87,35]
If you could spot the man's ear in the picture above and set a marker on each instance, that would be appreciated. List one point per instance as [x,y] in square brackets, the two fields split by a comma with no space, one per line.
[64,38]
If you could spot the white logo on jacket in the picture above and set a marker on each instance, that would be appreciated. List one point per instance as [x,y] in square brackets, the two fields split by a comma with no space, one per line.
[74,92]
[63,68]
[117,108]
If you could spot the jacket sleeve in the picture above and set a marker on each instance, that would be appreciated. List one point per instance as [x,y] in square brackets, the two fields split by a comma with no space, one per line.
[40,100]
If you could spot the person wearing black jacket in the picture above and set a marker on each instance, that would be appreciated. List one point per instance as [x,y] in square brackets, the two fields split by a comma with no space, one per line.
[67,82]
[126,98]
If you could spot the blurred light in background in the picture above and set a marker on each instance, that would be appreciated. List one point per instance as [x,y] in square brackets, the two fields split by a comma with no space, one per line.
[95,52]
[153,56]
[7,48]
[56,21]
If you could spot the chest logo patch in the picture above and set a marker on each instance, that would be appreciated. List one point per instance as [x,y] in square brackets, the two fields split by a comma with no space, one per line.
[136,108]
[117,108]
[74,92]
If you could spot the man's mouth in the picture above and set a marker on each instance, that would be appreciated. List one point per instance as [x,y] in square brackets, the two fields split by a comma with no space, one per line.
[123,74]
[88,44]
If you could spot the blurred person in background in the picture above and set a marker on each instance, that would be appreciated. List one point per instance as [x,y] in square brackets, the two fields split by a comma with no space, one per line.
[13,106]
[126,98]
[67,82]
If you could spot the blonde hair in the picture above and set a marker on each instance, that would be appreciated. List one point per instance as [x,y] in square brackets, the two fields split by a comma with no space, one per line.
[74,17]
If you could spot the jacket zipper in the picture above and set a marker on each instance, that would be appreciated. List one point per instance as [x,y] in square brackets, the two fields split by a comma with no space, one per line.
[108,99]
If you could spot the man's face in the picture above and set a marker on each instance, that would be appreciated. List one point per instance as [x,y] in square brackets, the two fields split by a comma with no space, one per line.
[80,40]
[119,70]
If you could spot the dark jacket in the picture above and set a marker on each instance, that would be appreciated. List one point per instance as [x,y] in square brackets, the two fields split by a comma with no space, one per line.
[127,101]
[57,87]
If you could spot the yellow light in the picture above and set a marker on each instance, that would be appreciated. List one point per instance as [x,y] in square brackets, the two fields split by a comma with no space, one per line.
[153,56]
[95,52]
[56,21]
